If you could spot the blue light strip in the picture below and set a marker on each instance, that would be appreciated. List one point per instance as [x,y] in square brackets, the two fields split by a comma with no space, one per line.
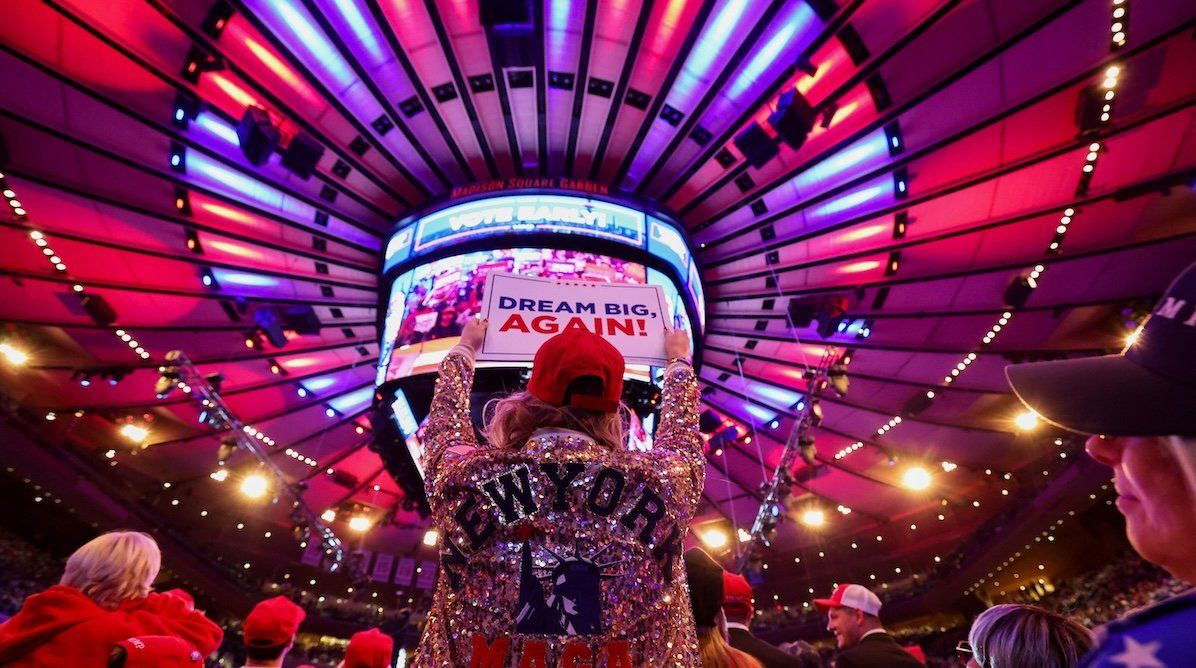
[296,28]
[363,28]
[783,47]
[353,401]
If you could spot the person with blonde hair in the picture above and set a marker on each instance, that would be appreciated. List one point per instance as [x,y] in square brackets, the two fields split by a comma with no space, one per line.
[105,597]
[560,544]
[1139,408]
[1026,636]
[707,592]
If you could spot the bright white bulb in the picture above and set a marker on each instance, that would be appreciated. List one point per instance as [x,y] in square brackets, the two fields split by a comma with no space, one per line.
[430,537]
[328,515]
[916,478]
[813,518]
[713,538]
[360,523]
[134,433]
[254,486]
[1026,421]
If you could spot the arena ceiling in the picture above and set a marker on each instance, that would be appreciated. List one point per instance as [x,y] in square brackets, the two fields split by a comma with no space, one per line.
[943,165]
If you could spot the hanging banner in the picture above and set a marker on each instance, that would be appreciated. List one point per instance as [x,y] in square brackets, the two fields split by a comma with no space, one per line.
[382,564]
[425,575]
[525,311]
[405,572]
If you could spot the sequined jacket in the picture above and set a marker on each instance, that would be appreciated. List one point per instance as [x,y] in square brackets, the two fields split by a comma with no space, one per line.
[562,552]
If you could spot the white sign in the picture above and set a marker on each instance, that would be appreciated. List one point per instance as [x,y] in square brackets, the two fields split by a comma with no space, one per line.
[525,311]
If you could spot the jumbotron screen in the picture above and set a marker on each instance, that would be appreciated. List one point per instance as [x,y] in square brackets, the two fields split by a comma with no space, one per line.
[429,305]
[434,276]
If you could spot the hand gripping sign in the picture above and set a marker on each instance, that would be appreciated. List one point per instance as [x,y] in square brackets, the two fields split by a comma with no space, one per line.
[525,311]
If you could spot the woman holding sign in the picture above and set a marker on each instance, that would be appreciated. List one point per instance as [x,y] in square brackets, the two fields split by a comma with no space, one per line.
[559,544]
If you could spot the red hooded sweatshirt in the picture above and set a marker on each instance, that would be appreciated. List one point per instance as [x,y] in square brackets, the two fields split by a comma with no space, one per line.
[63,627]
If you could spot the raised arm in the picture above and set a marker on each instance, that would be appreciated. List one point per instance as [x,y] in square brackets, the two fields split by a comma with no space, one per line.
[449,429]
[677,434]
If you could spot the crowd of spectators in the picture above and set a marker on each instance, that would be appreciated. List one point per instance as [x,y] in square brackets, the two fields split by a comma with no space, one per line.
[24,570]
[1121,585]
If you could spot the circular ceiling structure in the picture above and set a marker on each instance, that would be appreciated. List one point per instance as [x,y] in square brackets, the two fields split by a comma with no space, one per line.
[938,188]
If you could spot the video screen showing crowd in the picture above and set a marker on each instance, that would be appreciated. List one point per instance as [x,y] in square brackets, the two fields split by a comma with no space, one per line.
[563,547]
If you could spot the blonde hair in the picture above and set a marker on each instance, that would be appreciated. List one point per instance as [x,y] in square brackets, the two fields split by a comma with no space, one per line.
[716,653]
[113,567]
[511,420]
[1026,636]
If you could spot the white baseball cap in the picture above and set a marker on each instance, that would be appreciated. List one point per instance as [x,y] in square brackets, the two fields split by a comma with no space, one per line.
[850,596]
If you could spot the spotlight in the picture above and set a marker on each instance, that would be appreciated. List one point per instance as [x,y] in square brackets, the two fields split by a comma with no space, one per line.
[13,355]
[219,475]
[254,486]
[217,18]
[328,515]
[86,380]
[431,536]
[330,411]
[893,263]
[134,432]
[276,368]
[837,376]
[178,157]
[916,478]
[775,424]
[193,244]
[197,62]
[303,392]
[714,538]
[186,108]
[182,200]
[813,518]
[865,330]
[1019,291]
[227,447]
[360,523]
[253,340]
[809,453]
[1026,421]
[901,183]
[209,278]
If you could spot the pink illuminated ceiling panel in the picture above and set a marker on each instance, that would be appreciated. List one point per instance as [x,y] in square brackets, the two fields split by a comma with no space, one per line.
[465,36]
[829,60]
[415,31]
[354,23]
[564,31]
[257,57]
[855,111]
[668,24]
[611,35]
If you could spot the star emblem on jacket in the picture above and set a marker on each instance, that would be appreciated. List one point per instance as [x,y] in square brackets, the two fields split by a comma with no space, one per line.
[1138,655]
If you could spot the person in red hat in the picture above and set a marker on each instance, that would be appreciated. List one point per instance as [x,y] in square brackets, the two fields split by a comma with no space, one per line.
[104,597]
[738,608]
[155,652]
[560,545]
[853,615]
[269,631]
[369,649]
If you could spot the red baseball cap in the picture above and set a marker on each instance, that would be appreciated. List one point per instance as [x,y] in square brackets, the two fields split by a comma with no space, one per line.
[570,355]
[160,652]
[369,649]
[737,595]
[273,622]
[850,596]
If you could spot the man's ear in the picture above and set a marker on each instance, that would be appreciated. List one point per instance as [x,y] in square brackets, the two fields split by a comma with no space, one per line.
[859,616]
